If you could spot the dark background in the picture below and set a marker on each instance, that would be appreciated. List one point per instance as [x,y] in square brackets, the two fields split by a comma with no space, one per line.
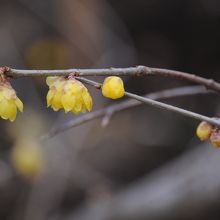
[146,163]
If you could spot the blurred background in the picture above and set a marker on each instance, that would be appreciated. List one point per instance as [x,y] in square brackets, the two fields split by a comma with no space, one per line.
[146,163]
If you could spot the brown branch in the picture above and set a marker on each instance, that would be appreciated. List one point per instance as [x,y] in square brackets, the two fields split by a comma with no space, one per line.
[157,104]
[109,111]
[131,71]
[139,70]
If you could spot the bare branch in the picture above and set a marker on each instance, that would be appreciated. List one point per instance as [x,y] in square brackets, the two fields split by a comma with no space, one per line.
[109,111]
[161,105]
[130,71]
[139,70]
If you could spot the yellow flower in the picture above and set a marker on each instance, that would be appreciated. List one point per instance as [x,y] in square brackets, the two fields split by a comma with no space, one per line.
[55,92]
[69,94]
[9,102]
[204,131]
[113,87]
[27,158]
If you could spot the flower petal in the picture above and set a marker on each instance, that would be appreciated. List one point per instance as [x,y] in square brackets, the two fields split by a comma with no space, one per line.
[49,97]
[8,109]
[56,101]
[1,95]
[68,101]
[19,104]
[87,100]
[50,80]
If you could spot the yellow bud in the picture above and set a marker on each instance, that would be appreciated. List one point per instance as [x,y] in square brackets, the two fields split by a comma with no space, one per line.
[215,138]
[113,87]
[9,102]
[204,131]
[69,94]
[27,159]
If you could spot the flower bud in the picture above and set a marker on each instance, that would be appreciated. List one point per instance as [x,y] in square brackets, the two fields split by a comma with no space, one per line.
[204,131]
[113,87]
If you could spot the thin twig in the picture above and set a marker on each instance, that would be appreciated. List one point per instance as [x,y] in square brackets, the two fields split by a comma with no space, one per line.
[130,71]
[159,104]
[109,111]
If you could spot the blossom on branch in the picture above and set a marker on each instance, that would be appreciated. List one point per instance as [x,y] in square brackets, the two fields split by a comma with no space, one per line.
[9,102]
[113,87]
[69,94]
[204,131]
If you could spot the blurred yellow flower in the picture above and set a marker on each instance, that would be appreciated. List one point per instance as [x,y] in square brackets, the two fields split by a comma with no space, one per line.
[27,158]
[113,87]
[9,102]
[69,94]
[204,131]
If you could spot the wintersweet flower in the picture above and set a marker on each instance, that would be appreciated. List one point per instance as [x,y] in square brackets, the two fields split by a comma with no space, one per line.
[204,131]
[9,102]
[55,92]
[69,94]
[113,87]
[27,158]
[76,97]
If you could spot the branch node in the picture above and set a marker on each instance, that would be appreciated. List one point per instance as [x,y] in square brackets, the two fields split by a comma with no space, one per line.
[143,70]
[98,86]
[211,82]
[76,73]
[4,69]
[73,75]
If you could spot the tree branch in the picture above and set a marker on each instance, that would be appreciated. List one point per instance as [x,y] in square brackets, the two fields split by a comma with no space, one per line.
[157,104]
[139,70]
[107,112]
[130,71]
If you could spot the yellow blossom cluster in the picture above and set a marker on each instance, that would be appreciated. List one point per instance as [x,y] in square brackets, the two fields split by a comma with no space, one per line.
[64,93]
[206,131]
[69,94]
[9,102]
